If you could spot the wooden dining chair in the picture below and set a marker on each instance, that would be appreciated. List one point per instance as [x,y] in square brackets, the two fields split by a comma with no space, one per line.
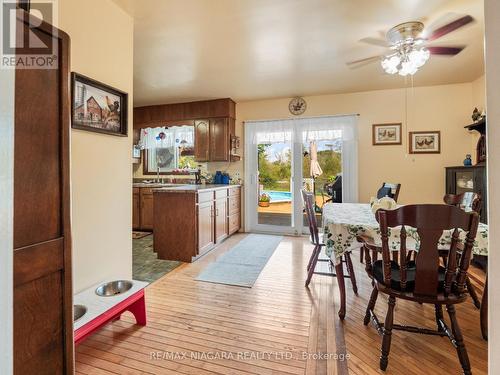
[467,201]
[423,280]
[318,246]
[389,190]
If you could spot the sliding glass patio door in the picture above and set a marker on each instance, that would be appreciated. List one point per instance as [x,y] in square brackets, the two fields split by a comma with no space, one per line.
[284,156]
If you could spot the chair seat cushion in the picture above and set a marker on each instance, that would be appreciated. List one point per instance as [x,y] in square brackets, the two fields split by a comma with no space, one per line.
[378,274]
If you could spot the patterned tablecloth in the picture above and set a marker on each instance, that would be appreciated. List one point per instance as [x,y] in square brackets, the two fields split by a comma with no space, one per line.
[343,222]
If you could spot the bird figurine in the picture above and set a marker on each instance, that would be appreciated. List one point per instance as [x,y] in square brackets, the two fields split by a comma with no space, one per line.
[476,115]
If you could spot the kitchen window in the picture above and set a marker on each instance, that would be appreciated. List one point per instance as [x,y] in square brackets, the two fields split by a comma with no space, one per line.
[168,149]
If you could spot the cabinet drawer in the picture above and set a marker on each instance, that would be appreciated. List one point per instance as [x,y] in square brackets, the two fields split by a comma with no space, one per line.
[222,193]
[235,191]
[135,190]
[234,204]
[234,223]
[205,196]
[146,190]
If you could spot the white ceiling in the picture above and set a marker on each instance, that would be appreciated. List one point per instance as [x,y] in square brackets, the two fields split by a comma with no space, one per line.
[188,50]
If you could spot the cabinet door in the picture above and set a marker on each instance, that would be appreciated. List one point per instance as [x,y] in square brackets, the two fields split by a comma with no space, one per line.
[205,226]
[221,230]
[147,211]
[136,210]
[201,140]
[219,139]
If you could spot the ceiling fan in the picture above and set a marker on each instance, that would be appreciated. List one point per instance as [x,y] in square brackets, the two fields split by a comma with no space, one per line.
[407,46]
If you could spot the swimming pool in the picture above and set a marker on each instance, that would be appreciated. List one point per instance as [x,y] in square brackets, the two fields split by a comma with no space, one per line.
[279,196]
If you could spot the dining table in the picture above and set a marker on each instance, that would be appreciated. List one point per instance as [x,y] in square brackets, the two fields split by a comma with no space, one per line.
[345,223]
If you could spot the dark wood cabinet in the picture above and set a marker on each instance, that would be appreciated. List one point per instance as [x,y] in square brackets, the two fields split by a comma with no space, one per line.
[205,221]
[187,224]
[221,213]
[219,139]
[146,211]
[136,208]
[43,300]
[158,115]
[464,179]
[202,140]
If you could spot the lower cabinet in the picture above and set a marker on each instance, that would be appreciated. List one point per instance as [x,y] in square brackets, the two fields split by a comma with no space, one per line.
[190,223]
[136,209]
[142,208]
[205,222]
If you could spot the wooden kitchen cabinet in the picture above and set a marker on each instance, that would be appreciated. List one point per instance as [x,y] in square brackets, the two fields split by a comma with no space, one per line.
[136,208]
[146,211]
[205,222]
[219,139]
[221,212]
[202,140]
[188,223]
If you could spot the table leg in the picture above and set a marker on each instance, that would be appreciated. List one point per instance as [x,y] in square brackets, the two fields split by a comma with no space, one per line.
[138,309]
[339,270]
[483,313]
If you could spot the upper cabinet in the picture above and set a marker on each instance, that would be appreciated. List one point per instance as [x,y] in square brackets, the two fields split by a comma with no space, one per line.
[159,115]
[202,140]
[214,123]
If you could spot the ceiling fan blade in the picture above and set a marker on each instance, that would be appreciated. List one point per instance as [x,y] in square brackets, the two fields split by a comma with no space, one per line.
[445,50]
[375,42]
[448,28]
[362,62]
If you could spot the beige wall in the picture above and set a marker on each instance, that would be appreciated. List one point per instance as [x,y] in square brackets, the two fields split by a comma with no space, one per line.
[445,108]
[492,14]
[101,48]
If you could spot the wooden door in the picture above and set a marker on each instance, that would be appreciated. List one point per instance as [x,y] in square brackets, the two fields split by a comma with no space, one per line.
[202,140]
[219,139]
[147,209]
[136,209]
[221,212]
[205,226]
[43,307]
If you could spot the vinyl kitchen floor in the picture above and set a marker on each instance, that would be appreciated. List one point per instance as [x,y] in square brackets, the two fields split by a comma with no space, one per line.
[146,266]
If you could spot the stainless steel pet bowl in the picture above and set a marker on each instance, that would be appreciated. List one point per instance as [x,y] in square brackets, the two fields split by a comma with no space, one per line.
[113,288]
[78,312]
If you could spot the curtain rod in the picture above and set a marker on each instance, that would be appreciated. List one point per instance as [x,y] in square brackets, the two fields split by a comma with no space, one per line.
[304,118]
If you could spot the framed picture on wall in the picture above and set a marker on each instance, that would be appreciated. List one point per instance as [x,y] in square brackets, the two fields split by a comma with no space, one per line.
[98,107]
[425,142]
[386,134]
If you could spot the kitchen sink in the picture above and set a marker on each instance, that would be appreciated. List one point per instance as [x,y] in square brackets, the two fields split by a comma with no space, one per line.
[113,288]
[78,312]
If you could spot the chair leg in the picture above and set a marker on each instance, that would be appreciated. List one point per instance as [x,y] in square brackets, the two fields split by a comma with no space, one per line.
[387,336]
[457,334]
[371,306]
[439,316]
[350,269]
[311,258]
[314,261]
[472,293]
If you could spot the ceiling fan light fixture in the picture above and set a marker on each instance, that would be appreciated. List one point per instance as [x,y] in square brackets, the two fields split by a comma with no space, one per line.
[390,64]
[405,61]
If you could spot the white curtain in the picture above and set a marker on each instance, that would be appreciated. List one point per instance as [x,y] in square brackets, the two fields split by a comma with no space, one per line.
[175,136]
[305,130]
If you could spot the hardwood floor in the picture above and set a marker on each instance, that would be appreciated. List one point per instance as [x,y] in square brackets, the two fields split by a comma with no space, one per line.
[270,328]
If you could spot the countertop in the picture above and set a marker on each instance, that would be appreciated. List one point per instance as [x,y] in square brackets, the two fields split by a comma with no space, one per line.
[192,188]
[154,185]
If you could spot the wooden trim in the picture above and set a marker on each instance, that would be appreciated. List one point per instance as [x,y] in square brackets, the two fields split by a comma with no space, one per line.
[410,142]
[397,124]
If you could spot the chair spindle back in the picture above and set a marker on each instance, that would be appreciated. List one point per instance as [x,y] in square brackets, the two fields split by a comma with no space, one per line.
[429,221]
[311,216]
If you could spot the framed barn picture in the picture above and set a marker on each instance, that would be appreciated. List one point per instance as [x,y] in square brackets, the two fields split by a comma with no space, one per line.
[98,107]
[425,142]
[386,134]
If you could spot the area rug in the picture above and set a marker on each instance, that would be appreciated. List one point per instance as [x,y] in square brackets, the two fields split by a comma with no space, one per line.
[242,264]
[137,235]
